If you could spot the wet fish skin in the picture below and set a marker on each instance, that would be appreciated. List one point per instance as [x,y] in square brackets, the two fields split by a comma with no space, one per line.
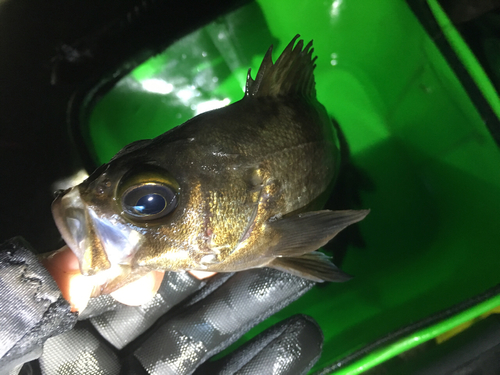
[242,177]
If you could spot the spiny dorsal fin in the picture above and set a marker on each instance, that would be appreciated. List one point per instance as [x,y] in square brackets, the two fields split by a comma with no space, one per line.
[292,74]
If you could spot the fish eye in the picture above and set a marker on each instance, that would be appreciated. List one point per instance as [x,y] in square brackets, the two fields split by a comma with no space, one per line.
[148,201]
[147,192]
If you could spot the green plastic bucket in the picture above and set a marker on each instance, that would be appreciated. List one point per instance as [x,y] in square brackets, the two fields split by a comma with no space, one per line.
[431,238]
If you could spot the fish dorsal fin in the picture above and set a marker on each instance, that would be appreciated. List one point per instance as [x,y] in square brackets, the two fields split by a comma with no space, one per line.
[292,74]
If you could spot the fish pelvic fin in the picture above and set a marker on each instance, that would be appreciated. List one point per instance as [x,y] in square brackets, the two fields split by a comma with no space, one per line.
[314,266]
[292,74]
[299,234]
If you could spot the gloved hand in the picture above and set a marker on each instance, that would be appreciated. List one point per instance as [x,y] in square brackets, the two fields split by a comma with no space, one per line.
[186,323]
[196,320]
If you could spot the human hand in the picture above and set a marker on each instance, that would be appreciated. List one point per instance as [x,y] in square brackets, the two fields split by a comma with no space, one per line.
[78,289]
[187,322]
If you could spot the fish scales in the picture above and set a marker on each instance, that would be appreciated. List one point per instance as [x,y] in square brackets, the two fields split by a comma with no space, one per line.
[264,143]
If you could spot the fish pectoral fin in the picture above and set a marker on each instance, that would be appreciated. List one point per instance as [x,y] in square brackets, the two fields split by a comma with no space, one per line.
[314,266]
[303,233]
[299,235]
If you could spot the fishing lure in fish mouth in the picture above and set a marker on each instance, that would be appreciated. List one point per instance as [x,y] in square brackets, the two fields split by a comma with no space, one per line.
[231,189]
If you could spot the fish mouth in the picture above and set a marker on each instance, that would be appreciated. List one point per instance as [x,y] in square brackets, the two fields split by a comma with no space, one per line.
[102,244]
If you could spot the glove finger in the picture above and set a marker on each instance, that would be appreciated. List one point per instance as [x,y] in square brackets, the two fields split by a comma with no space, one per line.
[123,324]
[78,351]
[290,347]
[31,306]
[208,326]
[99,305]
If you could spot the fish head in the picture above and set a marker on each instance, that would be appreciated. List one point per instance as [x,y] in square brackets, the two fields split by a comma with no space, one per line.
[123,207]
[174,203]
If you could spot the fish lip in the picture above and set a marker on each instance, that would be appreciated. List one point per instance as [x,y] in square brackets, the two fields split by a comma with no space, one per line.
[70,235]
[83,229]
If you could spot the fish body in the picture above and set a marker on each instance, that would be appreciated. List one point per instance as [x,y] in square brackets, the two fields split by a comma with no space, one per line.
[231,189]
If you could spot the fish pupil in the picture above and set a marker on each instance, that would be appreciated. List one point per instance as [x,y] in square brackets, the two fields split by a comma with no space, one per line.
[148,201]
[150,204]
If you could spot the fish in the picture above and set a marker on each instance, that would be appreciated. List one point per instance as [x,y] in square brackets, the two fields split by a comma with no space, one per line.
[231,189]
